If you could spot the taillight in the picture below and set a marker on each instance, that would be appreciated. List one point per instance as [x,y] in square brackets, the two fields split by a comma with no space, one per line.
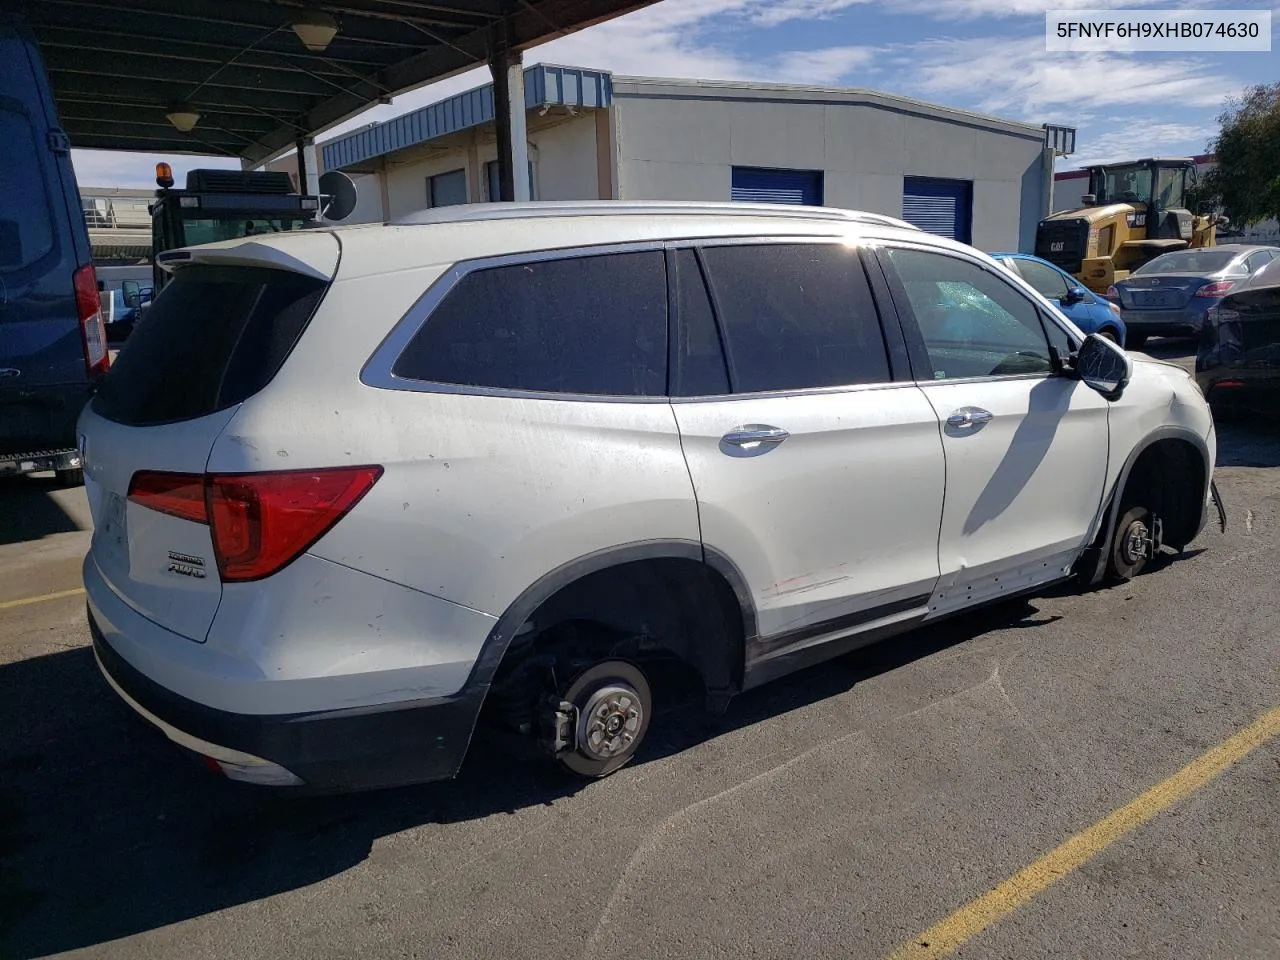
[93,332]
[177,494]
[1218,289]
[263,521]
[1113,293]
[260,522]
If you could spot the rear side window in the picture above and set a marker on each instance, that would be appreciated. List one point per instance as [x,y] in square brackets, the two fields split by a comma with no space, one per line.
[796,315]
[26,216]
[214,337]
[594,325]
[1045,281]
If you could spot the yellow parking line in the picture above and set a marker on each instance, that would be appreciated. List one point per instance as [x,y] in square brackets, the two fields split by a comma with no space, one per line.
[950,934]
[57,595]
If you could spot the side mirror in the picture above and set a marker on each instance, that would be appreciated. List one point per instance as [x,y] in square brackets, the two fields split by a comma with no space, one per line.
[1074,295]
[1089,200]
[131,290]
[1103,366]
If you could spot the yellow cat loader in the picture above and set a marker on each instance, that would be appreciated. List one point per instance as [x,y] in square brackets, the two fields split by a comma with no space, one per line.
[1133,212]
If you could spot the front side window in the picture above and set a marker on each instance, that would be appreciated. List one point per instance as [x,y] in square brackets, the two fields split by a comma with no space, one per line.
[1046,281]
[579,325]
[973,323]
[796,316]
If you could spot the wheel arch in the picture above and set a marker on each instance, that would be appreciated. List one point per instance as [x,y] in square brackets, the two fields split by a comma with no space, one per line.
[1114,501]
[555,583]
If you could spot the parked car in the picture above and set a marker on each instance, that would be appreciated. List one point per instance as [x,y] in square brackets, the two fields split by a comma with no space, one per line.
[1238,362]
[1170,295]
[1088,311]
[52,341]
[568,445]
[122,309]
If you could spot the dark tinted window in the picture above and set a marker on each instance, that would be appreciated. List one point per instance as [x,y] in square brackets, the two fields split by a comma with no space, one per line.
[796,315]
[26,217]
[701,370]
[974,324]
[589,325]
[1046,281]
[214,337]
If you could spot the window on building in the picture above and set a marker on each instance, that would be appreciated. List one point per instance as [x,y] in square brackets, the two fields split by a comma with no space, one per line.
[941,207]
[796,316]
[580,325]
[493,176]
[447,189]
[767,185]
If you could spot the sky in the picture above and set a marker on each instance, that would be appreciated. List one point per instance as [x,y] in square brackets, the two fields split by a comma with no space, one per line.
[982,55]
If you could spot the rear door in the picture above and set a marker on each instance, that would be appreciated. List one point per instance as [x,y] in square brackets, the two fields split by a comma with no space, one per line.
[1026,449]
[41,245]
[816,474]
[216,336]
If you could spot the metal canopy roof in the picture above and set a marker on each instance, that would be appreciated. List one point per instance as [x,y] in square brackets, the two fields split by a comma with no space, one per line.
[118,66]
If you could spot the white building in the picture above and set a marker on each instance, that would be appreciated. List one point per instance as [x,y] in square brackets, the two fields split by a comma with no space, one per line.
[1071,185]
[591,135]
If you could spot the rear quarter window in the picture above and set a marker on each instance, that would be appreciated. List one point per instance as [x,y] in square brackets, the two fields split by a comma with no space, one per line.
[212,339]
[588,325]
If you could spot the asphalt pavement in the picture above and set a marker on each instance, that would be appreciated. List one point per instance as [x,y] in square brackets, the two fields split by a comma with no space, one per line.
[837,813]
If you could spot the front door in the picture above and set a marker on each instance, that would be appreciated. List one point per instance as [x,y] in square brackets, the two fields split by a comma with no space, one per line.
[1026,447]
[820,476]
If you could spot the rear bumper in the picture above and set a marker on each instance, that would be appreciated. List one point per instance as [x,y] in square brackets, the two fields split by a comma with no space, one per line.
[1165,323]
[341,750]
[39,461]
[40,418]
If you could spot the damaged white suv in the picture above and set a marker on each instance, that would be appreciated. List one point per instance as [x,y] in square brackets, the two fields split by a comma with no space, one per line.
[350,486]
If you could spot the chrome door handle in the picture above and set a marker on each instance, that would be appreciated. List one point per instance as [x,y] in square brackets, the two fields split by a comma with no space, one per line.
[966,418]
[752,436]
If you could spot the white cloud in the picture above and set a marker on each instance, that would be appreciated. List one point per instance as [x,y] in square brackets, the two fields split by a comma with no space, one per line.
[1141,136]
[1013,76]
[781,11]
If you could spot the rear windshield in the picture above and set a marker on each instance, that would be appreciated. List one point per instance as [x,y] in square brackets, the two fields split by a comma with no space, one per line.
[1189,261]
[214,337]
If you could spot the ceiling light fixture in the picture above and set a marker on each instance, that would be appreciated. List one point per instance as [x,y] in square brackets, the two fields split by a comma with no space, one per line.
[316,29]
[183,116]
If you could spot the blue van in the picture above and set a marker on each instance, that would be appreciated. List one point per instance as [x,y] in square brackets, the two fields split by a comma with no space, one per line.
[53,345]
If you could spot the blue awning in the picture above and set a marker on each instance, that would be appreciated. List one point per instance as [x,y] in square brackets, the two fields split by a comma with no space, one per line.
[544,85]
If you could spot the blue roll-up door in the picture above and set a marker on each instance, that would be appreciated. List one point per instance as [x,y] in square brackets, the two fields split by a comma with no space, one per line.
[941,207]
[760,185]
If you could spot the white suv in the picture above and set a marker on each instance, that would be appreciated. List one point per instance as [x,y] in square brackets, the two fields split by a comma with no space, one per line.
[350,486]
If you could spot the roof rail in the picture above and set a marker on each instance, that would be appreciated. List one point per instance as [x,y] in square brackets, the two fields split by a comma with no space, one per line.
[470,212]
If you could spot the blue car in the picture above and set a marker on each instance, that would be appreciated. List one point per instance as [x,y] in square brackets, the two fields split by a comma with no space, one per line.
[1088,311]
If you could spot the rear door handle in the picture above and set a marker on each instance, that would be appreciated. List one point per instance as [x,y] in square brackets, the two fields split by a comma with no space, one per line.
[966,418]
[755,436]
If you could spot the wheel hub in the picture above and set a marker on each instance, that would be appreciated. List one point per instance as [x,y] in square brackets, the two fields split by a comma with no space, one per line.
[1136,543]
[609,721]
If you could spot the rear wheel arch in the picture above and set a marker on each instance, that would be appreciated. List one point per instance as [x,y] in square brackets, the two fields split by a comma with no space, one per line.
[688,602]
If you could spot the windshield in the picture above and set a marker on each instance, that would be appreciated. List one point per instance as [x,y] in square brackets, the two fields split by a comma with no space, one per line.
[206,230]
[1132,184]
[1189,261]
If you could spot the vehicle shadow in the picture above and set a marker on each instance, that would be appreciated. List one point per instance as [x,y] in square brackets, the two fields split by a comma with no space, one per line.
[108,830]
[28,512]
